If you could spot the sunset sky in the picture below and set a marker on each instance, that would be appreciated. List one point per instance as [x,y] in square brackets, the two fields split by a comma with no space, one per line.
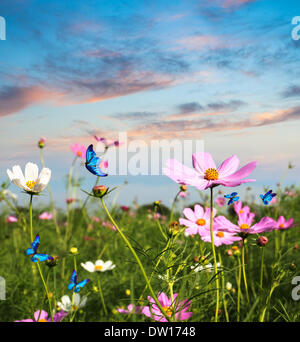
[223,71]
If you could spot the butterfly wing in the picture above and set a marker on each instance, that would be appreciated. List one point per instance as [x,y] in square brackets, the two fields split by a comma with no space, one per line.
[233,194]
[235,198]
[41,257]
[230,201]
[35,244]
[92,162]
[81,284]
[73,280]
[227,196]
[267,193]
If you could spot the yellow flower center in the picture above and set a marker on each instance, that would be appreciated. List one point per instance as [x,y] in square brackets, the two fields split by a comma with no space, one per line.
[220,234]
[244,226]
[75,308]
[241,211]
[168,310]
[42,320]
[31,184]
[281,225]
[211,174]
[98,268]
[79,154]
[201,222]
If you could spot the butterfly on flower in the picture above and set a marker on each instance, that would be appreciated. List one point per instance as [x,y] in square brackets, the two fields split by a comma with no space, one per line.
[92,162]
[233,197]
[74,284]
[33,251]
[267,197]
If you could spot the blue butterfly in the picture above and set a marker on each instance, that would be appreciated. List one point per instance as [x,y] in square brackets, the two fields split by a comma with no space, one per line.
[233,197]
[37,256]
[92,162]
[74,284]
[267,197]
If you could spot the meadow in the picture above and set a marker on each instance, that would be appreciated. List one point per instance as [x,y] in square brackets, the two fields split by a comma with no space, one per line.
[148,262]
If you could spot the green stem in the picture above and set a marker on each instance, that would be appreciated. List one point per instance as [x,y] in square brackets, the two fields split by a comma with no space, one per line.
[30,218]
[46,290]
[101,296]
[262,266]
[214,255]
[173,206]
[137,260]
[244,270]
[239,289]
[223,289]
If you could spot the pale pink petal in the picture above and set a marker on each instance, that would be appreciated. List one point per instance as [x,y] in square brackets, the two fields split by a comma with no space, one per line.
[228,167]
[203,161]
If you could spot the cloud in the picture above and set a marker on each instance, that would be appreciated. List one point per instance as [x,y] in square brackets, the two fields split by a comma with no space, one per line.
[14,99]
[292,91]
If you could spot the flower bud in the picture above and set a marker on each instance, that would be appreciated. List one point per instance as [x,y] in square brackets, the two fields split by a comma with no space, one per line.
[229,252]
[183,187]
[74,250]
[174,227]
[127,292]
[99,190]
[262,241]
[292,267]
[52,262]
[237,253]
[41,143]
[228,286]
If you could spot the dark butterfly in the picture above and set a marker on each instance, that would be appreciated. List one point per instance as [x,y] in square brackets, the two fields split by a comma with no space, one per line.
[267,197]
[37,256]
[74,284]
[92,162]
[233,197]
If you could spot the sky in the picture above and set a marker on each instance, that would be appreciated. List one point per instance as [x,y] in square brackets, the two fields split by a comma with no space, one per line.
[224,72]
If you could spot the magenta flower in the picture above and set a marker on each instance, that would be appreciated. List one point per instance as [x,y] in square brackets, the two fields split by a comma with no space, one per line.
[46,216]
[103,164]
[197,219]
[282,224]
[239,209]
[131,309]
[79,151]
[244,225]
[220,201]
[11,219]
[42,316]
[206,174]
[182,194]
[220,237]
[180,309]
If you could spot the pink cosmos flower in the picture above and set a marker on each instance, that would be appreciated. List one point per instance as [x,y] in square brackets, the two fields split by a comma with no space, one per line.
[125,208]
[282,224]
[44,317]
[103,164]
[244,225]
[79,151]
[220,237]
[197,219]
[131,309]
[180,309]
[206,174]
[220,201]
[46,216]
[239,209]
[182,194]
[11,219]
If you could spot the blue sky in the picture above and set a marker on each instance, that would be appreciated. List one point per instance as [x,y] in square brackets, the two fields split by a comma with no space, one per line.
[222,71]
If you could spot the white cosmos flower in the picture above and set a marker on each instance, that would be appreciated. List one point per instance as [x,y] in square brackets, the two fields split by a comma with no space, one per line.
[66,302]
[33,182]
[98,266]
[209,267]
[9,194]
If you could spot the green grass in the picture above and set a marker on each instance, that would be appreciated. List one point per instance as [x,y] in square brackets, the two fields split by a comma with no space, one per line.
[25,292]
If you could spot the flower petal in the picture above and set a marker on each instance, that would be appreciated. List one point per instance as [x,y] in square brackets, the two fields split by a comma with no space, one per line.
[229,166]
[31,172]
[203,161]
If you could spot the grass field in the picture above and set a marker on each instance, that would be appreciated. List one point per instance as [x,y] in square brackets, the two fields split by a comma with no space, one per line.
[146,243]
